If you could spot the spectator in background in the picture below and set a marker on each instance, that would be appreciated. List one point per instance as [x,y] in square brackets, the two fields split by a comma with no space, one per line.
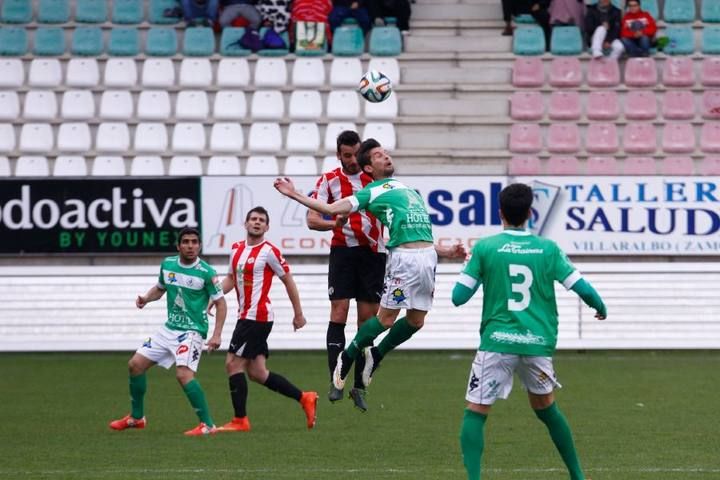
[343,9]
[200,11]
[232,10]
[400,9]
[275,13]
[538,9]
[567,12]
[602,24]
[637,31]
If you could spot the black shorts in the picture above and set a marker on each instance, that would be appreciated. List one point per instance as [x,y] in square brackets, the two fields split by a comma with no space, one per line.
[250,339]
[356,272]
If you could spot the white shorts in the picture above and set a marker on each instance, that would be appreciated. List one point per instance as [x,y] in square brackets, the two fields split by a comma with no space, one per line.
[173,346]
[491,376]
[409,278]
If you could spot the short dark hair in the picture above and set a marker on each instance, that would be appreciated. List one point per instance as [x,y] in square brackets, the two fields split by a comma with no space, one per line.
[259,210]
[188,231]
[348,138]
[638,2]
[364,153]
[515,201]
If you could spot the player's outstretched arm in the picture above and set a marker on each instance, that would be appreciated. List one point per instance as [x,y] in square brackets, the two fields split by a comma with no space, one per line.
[456,251]
[592,299]
[287,188]
[155,293]
[294,296]
[216,338]
[464,289]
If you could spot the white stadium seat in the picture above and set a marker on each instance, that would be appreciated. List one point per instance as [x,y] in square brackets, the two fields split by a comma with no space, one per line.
[70,166]
[270,72]
[195,72]
[4,167]
[108,166]
[7,138]
[387,109]
[343,105]
[45,72]
[192,105]
[345,72]
[219,165]
[329,163]
[233,72]
[226,138]
[382,132]
[305,105]
[74,137]
[116,105]
[13,74]
[36,138]
[387,65]
[230,105]
[40,105]
[300,165]
[121,73]
[112,137]
[82,72]
[147,166]
[185,166]
[259,165]
[9,105]
[154,105]
[332,131]
[303,137]
[267,105]
[188,138]
[32,166]
[158,72]
[265,137]
[308,72]
[77,105]
[151,138]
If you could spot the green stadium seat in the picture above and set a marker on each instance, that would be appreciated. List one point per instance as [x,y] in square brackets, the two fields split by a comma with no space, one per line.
[158,8]
[679,11]
[16,11]
[230,42]
[710,11]
[124,42]
[87,41]
[681,40]
[13,41]
[650,6]
[385,42]
[127,11]
[348,41]
[529,40]
[525,18]
[49,42]
[53,11]
[275,52]
[566,41]
[90,11]
[199,42]
[161,42]
[711,40]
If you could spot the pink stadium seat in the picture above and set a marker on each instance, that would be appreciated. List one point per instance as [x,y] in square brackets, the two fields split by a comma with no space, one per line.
[710,74]
[711,104]
[639,166]
[678,138]
[601,138]
[677,166]
[640,138]
[525,105]
[641,72]
[602,166]
[602,105]
[563,138]
[524,166]
[678,105]
[710,137]
[710,166]
[525,138]
[565,105]
[678,72]
[563,166]
[528,72]
[640,105]
[565,72]
[604,72]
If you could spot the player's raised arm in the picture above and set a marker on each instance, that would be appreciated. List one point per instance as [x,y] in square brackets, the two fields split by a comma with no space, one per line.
[287,188]
[294,296]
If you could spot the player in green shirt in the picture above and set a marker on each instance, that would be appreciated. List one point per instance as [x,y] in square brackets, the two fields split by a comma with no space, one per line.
[517,271]
[190,285]
[411,262]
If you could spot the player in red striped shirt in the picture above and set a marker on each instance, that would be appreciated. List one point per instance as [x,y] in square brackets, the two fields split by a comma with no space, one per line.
[357,258]
[253,264]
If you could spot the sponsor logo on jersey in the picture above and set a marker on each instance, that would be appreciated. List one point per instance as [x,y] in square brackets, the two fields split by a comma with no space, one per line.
[527,338]
[182,337]
[181,349]
[172,277]
[398,296]
[519,249]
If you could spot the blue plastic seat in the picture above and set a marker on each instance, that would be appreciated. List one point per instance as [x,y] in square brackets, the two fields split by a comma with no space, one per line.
[53,11]
[16,11]
[161,42]
[650,6]
[348,41]
[711,40]
[127,11]
[529,40]
[13,41]
[682,40]
[49,41]
[275,52]
[385,42]
[156,13]
[230,42]
[199,42]
[87,41]
[566,41]
[679,11]
[124,42]
[525,18]
[90,11]
[710,11]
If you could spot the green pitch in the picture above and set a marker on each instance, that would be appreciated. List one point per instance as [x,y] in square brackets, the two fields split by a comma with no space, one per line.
[635,416]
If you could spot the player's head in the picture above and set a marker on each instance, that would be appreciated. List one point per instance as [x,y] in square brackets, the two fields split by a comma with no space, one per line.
[374,160]
[348,144]
[515,202]
[257,222]
[188,244]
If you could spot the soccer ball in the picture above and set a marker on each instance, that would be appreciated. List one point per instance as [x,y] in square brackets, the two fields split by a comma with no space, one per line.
[375,86]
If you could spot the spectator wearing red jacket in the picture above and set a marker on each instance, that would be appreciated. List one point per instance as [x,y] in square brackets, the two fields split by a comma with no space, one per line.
[637,30]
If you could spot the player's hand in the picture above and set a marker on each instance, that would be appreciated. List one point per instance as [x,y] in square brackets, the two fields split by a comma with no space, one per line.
[284,185]
[341,220]
[140,301]
[299,321]
[214,343]
[458,251]
[600,316]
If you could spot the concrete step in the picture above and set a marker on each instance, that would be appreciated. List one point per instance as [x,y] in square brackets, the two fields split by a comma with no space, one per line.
[455,43]
[456,75]
[416,108]
[464,137]
[489,11]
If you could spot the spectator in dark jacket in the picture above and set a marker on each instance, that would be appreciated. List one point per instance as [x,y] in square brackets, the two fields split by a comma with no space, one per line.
[343,9]
[400,9]
[602,25]
[538,9]
[196,11]
[637,30]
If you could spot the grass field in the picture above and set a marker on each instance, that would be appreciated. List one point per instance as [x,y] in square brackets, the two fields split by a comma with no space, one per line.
[635,415]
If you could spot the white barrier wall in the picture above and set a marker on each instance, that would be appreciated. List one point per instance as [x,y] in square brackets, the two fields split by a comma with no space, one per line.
[650,305]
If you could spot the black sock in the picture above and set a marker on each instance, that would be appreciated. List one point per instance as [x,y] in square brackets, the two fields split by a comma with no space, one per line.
[238,394]
[359,365]
[335,341]
[280,384]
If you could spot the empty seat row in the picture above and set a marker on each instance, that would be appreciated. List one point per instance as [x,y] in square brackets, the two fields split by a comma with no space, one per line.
[639,137]
[225,137]
[605,105]
[639,72]
[193,72]
[90,11]
[190,105]
[565,165]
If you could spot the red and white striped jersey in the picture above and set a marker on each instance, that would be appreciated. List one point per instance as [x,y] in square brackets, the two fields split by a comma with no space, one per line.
[253,267]
[362,228]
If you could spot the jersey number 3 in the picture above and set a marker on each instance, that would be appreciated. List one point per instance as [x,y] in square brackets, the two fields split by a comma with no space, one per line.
[521,286]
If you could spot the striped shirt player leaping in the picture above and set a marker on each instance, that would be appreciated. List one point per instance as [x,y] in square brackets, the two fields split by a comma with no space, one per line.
[412,257]
[253,264]
[357,258]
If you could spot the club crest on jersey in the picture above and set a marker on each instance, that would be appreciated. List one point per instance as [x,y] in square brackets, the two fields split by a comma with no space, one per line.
[181,349]
[388,186]
[398,296]
[172,277]
[251,260]
[147,343]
